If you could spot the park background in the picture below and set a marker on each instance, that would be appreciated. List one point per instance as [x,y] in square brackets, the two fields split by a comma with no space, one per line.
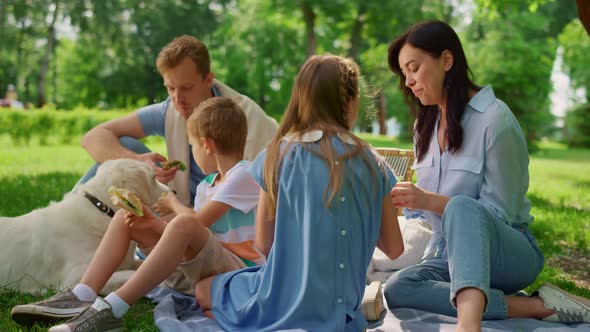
[77,63]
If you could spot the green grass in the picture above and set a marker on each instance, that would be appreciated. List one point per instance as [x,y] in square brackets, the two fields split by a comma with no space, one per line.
[32,176]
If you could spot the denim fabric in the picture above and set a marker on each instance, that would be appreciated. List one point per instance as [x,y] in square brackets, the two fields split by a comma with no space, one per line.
[483,252]
[128,142]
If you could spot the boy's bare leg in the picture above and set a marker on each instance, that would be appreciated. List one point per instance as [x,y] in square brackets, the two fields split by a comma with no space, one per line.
[203,295]
[112,251]
[183,237]
[470,306]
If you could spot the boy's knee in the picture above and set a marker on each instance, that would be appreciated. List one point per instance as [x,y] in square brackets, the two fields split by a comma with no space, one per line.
[182,223]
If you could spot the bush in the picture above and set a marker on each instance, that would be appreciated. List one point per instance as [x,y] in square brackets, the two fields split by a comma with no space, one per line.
[577,127]
[22,126]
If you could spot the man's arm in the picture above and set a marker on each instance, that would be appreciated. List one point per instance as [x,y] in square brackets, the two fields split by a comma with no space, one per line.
[102,141]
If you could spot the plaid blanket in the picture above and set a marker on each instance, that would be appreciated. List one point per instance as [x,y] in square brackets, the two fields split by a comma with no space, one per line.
[177,312]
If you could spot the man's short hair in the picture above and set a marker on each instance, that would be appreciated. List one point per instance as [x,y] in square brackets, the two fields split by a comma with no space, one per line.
[179,48]
[223,121]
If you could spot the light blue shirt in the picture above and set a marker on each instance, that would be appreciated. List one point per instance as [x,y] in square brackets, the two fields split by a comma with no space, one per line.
[491,166]
[153,122]
[315,275]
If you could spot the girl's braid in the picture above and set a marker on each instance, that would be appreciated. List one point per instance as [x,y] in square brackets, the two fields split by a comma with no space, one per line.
[344,98]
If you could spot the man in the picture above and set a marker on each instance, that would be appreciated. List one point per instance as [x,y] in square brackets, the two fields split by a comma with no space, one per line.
[185,67]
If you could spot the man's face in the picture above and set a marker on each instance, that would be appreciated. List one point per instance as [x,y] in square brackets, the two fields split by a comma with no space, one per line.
[186,86]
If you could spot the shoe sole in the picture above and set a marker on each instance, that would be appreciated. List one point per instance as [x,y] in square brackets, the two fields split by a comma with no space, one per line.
[372,305]
[582,301]
[30,314]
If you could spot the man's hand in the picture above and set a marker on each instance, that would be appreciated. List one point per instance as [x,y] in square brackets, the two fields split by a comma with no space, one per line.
[162,175]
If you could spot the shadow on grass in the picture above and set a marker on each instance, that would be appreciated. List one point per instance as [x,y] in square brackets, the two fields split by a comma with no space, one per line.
[21,194]
[558,227]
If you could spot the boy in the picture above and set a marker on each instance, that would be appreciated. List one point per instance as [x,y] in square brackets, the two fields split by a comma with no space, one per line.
[217,237]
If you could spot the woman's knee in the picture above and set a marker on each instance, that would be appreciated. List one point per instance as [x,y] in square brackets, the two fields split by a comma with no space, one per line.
[462,212]
[399,287]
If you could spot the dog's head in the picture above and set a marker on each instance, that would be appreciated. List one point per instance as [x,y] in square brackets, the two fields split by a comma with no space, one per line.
[130,174]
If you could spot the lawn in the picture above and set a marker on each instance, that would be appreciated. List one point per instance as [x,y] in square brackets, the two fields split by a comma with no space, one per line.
[32,176]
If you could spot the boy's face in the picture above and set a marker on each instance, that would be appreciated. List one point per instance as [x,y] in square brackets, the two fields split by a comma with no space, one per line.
[186,86]
[202,154]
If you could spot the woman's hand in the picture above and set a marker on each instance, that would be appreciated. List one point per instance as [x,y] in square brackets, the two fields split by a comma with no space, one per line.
[409,195]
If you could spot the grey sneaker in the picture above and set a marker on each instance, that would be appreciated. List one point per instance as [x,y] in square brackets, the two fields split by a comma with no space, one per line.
[60,306]
[569,308]
[98,318]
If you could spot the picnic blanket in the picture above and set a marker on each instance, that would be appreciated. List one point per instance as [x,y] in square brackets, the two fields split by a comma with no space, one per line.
[177,312]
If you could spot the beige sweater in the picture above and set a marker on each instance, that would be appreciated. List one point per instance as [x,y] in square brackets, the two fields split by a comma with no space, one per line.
[261,129]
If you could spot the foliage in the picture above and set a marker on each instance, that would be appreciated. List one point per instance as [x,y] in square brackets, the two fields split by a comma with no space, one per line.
[516,58]
[577,126]
[106,50]
[576,54]
[23,126]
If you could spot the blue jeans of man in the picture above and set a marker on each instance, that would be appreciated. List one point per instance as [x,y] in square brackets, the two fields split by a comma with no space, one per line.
[128,142]
[483,252]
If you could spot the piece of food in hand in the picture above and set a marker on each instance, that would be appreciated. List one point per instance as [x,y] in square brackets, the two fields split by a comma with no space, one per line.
[174,163]
[126,200]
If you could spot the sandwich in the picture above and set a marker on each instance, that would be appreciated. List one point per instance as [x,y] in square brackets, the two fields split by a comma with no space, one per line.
[126,200]
[174,163]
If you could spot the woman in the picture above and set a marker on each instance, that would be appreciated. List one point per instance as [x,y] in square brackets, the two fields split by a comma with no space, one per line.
[472,178]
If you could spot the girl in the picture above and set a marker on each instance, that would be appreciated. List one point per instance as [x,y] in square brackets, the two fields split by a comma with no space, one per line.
[323,206]
[472,179]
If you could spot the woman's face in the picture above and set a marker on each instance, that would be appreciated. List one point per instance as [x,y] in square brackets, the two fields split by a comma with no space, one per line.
[424,74]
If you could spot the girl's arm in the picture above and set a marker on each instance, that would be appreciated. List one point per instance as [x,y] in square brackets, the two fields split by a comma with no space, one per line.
[265,226]
[390,237]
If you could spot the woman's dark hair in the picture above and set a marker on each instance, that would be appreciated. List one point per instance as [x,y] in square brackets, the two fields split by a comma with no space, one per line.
[434,37]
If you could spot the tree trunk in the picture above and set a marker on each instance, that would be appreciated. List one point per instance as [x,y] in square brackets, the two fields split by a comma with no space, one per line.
[381,111]
[309,18]
[41,99]
[584,13]
[355,36]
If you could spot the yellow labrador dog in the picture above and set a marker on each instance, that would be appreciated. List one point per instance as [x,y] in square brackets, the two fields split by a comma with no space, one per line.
[52,246]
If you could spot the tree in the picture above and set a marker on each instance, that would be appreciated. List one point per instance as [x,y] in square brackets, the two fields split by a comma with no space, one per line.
[516,58]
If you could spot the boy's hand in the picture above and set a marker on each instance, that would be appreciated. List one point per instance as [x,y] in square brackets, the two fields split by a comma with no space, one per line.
[166,204]
[148,221]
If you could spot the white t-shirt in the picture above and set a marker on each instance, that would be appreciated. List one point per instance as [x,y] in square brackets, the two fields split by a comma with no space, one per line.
[236,228]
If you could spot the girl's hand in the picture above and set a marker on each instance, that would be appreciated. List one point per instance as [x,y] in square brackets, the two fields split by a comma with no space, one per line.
[166,204]
[409,195]
[148,221]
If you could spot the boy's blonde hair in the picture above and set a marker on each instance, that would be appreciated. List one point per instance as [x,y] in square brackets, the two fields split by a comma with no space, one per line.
[321,100]
[179,48]
[223,121]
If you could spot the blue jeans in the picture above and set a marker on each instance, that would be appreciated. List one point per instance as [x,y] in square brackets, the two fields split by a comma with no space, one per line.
[483,253]
[128,142]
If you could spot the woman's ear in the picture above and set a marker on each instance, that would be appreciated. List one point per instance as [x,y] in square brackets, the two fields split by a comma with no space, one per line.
[447,60]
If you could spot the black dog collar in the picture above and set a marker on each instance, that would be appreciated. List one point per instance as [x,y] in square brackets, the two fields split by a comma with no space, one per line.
[102,207]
